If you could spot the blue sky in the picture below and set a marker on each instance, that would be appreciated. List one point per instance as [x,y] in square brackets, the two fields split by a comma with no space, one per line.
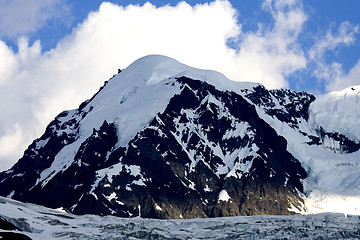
[54,54]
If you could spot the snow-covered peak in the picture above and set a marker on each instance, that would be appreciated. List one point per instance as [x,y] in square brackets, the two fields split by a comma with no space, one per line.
[338,111]
[131,99]
[156,68]
[142,90]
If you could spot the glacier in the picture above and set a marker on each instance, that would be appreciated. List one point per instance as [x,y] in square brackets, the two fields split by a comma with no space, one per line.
[31,221]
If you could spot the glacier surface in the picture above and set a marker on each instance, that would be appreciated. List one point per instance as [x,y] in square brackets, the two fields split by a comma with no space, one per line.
[37,222]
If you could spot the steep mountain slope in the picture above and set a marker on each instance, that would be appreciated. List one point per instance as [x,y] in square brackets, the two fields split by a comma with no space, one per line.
[165,140]
[320,139]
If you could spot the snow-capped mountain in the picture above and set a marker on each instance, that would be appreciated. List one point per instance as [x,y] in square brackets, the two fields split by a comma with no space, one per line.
[164,140]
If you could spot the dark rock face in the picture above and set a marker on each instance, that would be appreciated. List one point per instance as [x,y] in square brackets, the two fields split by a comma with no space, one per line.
[68,186]
[36,158]
[13,236]
[290,105]
[208,154]
[6,225]
[343,144]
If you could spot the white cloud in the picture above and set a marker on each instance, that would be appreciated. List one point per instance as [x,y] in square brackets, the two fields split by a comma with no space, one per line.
[18,17]
[38,85]
[271,54]
[345,36]
[343,80]
[332,72]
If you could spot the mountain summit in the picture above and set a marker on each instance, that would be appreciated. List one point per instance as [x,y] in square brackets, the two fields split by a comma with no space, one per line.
[165,140]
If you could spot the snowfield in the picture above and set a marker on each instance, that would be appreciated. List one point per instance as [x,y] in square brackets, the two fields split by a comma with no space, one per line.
[38,222]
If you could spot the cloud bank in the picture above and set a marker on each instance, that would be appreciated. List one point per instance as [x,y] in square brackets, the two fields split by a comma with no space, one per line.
[18,17]
[37,85]
[332,72]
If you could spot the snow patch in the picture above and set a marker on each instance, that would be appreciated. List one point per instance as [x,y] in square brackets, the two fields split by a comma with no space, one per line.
[157,207]
[207,189]
[61,209]
[11,194]
[111,196]
[41,143]
[224,196]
